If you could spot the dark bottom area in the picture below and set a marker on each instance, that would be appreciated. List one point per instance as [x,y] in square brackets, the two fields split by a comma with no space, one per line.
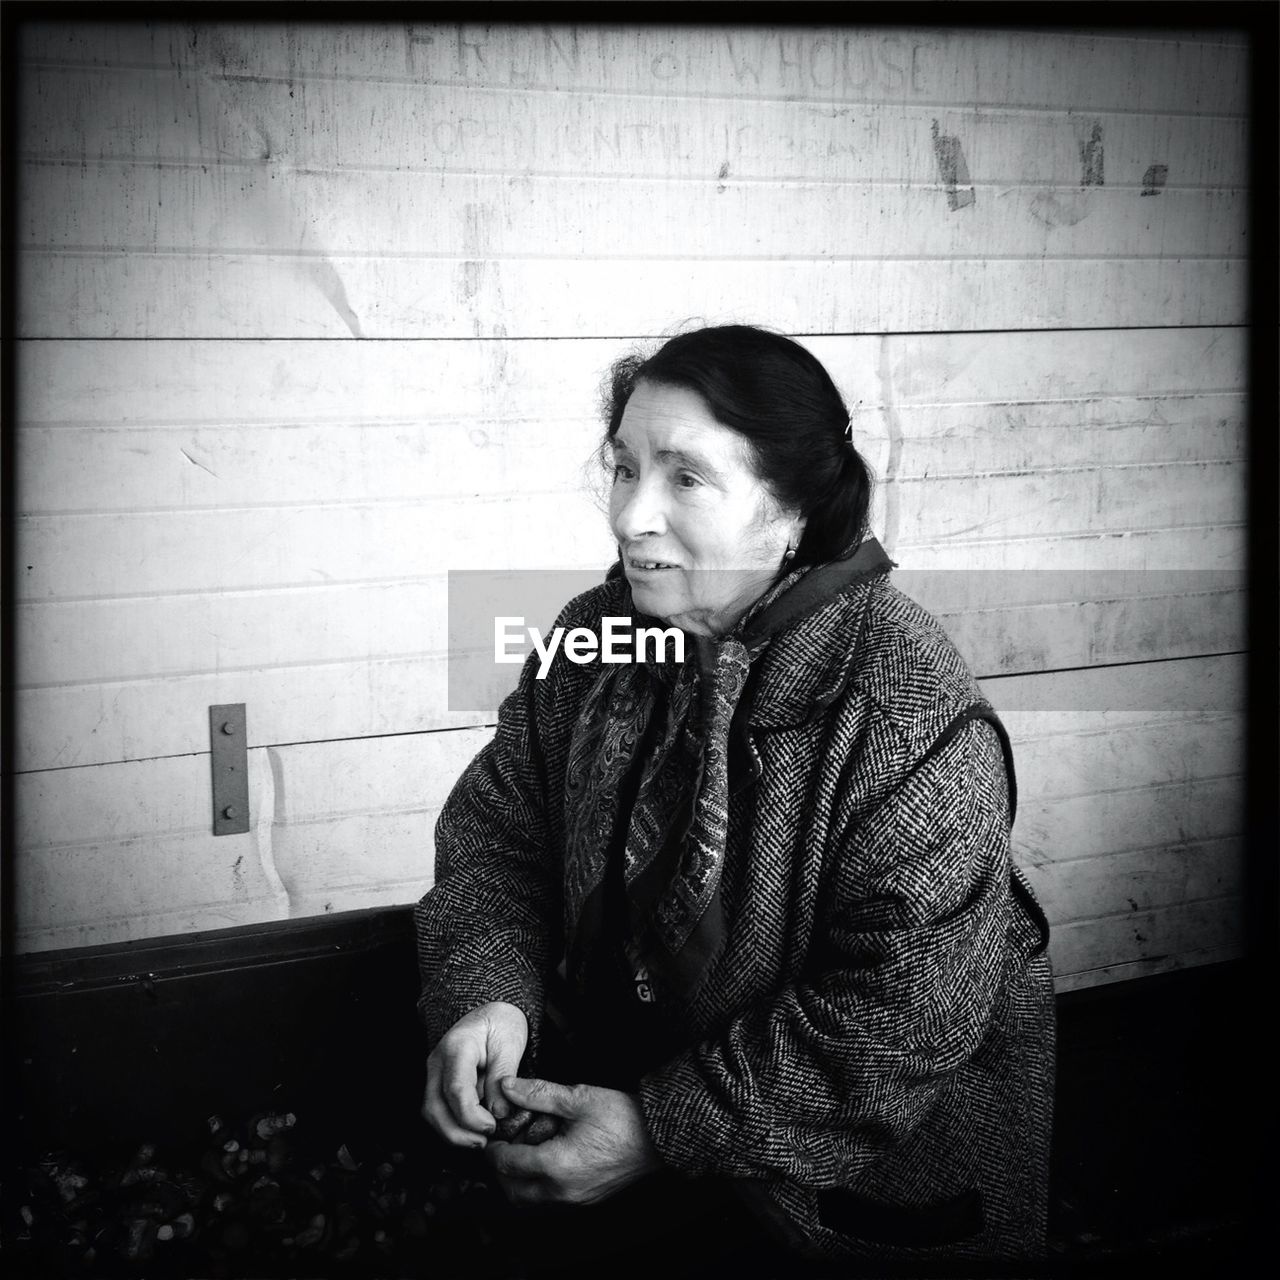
[1164,1122]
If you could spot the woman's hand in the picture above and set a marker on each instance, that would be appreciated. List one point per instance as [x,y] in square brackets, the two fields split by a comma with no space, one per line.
[463,1100]
[602,1145]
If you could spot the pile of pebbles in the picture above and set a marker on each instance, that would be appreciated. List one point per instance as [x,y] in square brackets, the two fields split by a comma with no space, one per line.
[250,1199]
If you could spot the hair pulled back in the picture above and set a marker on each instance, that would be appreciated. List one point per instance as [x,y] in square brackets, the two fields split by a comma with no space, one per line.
[782,401]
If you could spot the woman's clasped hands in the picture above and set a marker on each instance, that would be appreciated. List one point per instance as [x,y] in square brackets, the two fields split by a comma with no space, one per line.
[600,1146]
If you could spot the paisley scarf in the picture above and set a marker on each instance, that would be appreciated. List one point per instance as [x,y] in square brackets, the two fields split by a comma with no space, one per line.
[647,779]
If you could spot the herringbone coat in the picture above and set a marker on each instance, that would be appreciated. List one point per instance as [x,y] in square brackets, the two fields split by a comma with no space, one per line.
[870,1058]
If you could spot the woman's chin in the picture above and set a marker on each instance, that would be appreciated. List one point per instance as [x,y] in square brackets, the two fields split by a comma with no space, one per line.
[653,595]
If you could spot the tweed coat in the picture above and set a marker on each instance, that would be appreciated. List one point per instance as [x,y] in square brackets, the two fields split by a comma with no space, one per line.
[869,1060]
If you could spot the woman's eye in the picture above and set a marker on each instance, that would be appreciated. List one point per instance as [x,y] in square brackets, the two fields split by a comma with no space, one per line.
[622,472]
[687,480]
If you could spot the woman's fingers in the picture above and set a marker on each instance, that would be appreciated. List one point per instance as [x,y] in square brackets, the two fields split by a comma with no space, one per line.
[463,1069]
[506,1032]
[502,1063]
[565,1101]
[460,1089]
[452,1106]
[436,1112]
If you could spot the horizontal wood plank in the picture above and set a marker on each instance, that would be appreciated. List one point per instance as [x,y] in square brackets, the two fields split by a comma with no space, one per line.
[437,222]
[1148,967]
[1179,71]
[159,553]
[155,115]
[1139,815]
[166,553]
[1137,880]
[216,294]
[75,468]
[1145,942]
[1050,705]
[281,383]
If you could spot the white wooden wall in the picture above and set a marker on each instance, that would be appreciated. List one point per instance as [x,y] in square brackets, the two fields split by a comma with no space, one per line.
[311,315]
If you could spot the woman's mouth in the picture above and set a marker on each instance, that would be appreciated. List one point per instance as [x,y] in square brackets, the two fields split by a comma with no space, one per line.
[649,566]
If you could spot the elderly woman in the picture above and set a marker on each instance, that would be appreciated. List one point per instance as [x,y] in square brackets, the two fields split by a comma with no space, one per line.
[746,927]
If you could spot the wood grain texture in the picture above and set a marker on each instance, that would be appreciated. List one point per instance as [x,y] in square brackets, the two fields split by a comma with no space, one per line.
[445,181]
[149,553]
[152,117]
[432,223]
[217,294]
[1179,71]
[1083,376]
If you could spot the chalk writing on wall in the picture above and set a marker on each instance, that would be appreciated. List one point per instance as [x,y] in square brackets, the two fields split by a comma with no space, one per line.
[839,62]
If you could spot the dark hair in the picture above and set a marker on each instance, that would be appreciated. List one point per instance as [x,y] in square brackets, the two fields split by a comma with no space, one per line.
[782,401]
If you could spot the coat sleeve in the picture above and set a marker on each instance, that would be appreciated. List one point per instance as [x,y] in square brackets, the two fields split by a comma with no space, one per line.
[813,1084]
[488,927]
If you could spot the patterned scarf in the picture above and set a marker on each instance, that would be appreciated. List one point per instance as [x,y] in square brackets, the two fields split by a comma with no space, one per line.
[648,771]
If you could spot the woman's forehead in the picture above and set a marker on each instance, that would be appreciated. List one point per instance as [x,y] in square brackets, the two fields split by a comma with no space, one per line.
[662,419]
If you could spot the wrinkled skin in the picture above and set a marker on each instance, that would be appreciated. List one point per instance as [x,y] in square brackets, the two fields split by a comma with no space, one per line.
[580,1143]
[600,1147]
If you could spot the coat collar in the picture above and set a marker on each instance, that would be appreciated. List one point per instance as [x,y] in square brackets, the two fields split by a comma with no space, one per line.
[813,639]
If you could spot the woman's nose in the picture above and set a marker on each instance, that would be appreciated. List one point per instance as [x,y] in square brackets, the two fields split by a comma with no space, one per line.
[638,510]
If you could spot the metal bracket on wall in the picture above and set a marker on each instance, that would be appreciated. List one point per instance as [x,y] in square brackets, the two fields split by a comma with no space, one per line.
[229,747]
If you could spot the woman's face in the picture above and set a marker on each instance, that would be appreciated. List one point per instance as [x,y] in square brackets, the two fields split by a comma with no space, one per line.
[701,537]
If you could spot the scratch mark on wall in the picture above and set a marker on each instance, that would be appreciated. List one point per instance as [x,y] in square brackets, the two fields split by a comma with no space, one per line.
[195,462]
[1091,155]
[330,284]
[893,429]
[475,228]
[500,355]
[472,274]
[721,176]
[271,813]
[290,219]
[981,524]
[475,276]
[1154,179]
[953,169]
